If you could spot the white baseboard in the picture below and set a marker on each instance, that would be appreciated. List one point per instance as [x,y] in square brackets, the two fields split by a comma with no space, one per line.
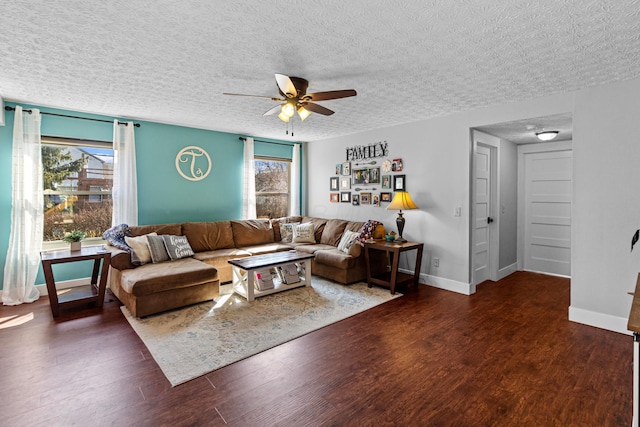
[599,320]
[510,269]
[42,288]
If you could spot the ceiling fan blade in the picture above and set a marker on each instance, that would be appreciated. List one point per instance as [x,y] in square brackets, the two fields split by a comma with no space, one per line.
[332,94]
[274,110]
[286,86]
[254,96]
[317,108]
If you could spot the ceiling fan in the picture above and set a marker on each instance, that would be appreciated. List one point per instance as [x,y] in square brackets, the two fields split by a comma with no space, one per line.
[294,98]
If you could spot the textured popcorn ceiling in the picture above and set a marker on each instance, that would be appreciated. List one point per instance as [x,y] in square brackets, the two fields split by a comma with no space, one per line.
[170,61]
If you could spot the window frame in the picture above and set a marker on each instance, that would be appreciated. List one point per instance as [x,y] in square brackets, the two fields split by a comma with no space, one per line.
[74,142]
[276,159]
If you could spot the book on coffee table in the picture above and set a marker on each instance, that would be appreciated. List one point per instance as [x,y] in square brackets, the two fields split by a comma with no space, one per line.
[263,279]
[289,274]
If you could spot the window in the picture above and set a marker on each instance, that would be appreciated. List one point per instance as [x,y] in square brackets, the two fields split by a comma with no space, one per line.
[272,187]
[77,180]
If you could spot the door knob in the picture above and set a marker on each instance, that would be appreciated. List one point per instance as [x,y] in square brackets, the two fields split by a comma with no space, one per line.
[489,220]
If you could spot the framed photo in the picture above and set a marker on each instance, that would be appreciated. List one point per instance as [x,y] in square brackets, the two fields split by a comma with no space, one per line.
[396,165]
[399,183]
[385,197]
[355,200]
[345,183]
[345,197]
[346,168]
[375,201]
[334,197]
[386,181]
[366,176]
[339,169]
[365,198]
[333,183]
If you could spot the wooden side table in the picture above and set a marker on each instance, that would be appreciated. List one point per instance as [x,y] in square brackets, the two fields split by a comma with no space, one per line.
[393,278]
[93,292]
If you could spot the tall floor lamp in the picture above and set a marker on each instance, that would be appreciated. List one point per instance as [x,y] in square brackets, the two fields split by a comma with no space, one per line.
[401,200]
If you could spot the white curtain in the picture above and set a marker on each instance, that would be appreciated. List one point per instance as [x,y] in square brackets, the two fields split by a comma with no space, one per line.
[27,218]
[125,183]
[294,186]
[249,182]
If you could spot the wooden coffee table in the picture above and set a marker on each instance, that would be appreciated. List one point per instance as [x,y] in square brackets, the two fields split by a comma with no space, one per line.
[244,268]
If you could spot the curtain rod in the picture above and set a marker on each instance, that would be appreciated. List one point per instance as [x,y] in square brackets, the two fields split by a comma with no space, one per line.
[71,117]
[242,138]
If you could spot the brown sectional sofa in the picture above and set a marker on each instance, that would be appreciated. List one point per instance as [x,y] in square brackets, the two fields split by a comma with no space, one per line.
[152,288]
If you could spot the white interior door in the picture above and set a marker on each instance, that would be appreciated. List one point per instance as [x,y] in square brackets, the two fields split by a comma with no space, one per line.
[548,194]
[482,190]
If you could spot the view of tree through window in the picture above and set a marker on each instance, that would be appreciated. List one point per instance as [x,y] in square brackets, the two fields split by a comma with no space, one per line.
[77,181]
[272,187]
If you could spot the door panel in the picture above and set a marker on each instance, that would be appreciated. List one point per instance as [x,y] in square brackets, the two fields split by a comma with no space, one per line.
[548,186]
[482,185]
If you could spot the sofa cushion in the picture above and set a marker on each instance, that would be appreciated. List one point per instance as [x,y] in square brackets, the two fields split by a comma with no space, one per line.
[267,249]
[275,223]
[347,240]
[208,236]
[286,231]
[221,256]
[140,230]
[152,278]
[115,236]
[332,232]
[311,249]
[139,245]
[318,225]
[177,246]
[251,232]
[303,233]
[157,248]
[334,258]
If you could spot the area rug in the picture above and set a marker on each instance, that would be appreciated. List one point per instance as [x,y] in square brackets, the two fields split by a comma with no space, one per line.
[196,340]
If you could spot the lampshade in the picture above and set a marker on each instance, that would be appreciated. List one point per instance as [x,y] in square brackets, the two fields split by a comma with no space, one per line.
[283,117]
[547,135]
[303,113]
[401,201]
[288,109]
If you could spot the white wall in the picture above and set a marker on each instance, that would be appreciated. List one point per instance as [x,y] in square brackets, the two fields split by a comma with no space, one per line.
[436,156]
[606,208]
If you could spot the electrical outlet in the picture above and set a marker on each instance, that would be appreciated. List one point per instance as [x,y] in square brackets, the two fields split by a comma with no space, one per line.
[436,262]
[457,212]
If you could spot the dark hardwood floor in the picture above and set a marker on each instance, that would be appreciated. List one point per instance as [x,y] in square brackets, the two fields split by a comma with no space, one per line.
[506,356]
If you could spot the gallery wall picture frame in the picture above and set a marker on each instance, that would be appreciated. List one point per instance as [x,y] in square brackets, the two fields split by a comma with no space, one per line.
[339,169]
[396,165]
[334,184]
[345,197]
[334,197]
[355,200]
[385,197]
[365,198]
[399,183]
[375,200]
[366,176]
[346,168]
[345,183]
[386,181]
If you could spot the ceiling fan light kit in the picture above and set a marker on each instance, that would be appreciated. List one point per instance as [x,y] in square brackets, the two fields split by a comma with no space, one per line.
[294,98]
[547,135]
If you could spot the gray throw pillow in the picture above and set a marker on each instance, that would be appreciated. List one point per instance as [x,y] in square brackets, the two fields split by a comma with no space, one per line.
[177,246]
[158,249]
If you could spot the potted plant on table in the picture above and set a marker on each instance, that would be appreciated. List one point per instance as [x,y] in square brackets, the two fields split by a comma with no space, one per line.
[74,237]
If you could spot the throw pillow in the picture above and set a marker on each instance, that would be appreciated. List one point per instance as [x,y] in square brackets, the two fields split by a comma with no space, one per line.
[157,249]
[303,233]
[348,238]
[115,236]
[177,246]
[139,249]
[367,230]
[286,231]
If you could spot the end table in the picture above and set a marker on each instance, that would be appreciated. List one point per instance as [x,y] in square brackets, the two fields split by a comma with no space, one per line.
[393,278]
[93,292]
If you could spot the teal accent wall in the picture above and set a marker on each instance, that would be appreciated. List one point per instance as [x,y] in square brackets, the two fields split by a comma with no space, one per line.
[164,196]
